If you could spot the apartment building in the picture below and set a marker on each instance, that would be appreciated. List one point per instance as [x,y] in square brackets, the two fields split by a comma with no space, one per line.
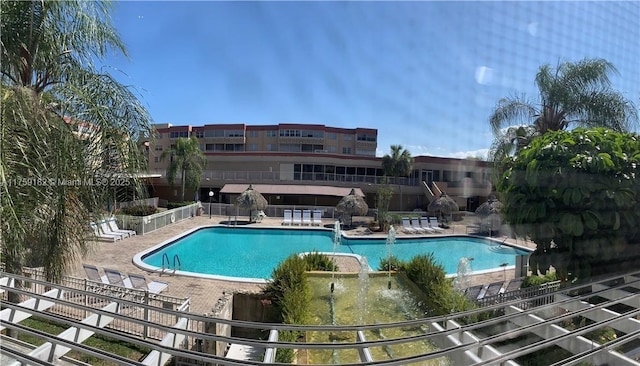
[312,164]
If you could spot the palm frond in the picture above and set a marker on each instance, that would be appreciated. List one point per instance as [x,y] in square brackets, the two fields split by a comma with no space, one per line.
[511,111]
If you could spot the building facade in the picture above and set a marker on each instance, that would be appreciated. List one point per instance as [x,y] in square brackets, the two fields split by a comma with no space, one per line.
[316,156]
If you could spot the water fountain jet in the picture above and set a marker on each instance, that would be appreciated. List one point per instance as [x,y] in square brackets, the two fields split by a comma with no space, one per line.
[337,236]
[391,239]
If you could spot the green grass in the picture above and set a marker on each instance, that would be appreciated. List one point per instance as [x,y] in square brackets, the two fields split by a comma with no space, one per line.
[124,349]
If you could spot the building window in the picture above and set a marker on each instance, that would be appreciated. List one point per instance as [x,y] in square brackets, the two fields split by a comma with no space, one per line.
[175,135]
[346,150]
[365,137]
[158,136]
[331,149]
[252,133]
[347,137]
[272,133]
[156,159]
[158,148]
[252,147]
[332,135]
[199,134]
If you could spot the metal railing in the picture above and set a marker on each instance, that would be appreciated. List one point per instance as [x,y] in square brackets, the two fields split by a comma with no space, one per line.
[539,295]
[146,224]
[460,336]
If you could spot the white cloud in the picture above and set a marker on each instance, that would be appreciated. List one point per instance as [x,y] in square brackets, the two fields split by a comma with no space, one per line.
[480,153]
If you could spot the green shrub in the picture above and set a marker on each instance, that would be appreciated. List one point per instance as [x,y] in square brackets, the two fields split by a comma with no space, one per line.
[139,210]
[319,262]
[393,262]
[172,205]
[430,277]
[291,295]
[535,280]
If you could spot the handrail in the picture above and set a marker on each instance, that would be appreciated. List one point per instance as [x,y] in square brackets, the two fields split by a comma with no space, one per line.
[165,255]
[175,257]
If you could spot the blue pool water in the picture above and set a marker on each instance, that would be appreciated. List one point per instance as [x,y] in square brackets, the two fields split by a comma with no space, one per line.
[255,252]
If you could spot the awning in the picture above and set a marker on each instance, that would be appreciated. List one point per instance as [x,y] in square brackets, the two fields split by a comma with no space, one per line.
[292,189]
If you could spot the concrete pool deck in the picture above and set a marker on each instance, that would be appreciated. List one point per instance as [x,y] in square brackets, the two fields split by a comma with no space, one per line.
[204,293]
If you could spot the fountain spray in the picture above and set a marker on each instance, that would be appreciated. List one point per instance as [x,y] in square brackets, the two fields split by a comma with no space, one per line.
[391,239]
[337,235]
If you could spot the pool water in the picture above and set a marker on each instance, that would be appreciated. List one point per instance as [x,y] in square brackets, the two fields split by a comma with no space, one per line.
[253,253]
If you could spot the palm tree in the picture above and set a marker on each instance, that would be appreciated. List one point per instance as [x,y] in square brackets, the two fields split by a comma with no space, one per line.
[187,160]
[398,164]
[68,133]
[574,94]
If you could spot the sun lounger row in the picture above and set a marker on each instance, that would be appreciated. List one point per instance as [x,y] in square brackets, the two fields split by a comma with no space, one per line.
[302,217]
[479,292]
[423,225]
[108,230]
[116,278]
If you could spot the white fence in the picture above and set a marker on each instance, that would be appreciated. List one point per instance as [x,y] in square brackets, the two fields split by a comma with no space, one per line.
[146,224]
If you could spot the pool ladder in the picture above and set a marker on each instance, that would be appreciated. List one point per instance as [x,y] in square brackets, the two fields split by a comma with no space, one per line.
[176,259]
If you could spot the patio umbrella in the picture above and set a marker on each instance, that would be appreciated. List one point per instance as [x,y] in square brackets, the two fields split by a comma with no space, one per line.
[443,205]
[352,204]
[251,199]
[489,214]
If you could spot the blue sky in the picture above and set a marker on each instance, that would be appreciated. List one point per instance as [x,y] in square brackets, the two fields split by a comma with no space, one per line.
[425,74]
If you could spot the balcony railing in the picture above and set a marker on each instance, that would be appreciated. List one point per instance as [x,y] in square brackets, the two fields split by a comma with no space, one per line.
[274,177]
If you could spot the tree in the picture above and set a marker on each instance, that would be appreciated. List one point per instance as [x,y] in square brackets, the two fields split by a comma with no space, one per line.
[573,95]
[68,134]
[187,160]
[577,196]
[398,164]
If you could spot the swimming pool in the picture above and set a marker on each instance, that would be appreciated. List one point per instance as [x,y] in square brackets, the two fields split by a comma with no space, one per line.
[251,254]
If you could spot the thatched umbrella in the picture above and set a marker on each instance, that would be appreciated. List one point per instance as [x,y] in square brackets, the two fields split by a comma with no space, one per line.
[251,199]
[489,214]
[352,204]
[443,205]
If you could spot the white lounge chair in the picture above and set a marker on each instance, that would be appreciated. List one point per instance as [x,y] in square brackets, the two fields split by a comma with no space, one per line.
[306,217]
[117,278]
[286,219]
[406,226]
[424,224]
[104,236]
[297,217]
[416,225]
[107,230]
[434,224]
[317,217]
[113,225]
[93,273]
[139,282]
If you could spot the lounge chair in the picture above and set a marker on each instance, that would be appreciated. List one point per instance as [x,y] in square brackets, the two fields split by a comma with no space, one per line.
[113,225]
[493,289]
[104,236]
[297,217]
[139,282]
[117,278]
[434,224]
[416,225]
[306,217]
[107,230]
[93,273]
[424,224]
[286,219]
[472,293]
[406,226]
[514,285]
[317,217]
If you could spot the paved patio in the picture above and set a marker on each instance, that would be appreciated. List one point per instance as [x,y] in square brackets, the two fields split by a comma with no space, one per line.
[205,292]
